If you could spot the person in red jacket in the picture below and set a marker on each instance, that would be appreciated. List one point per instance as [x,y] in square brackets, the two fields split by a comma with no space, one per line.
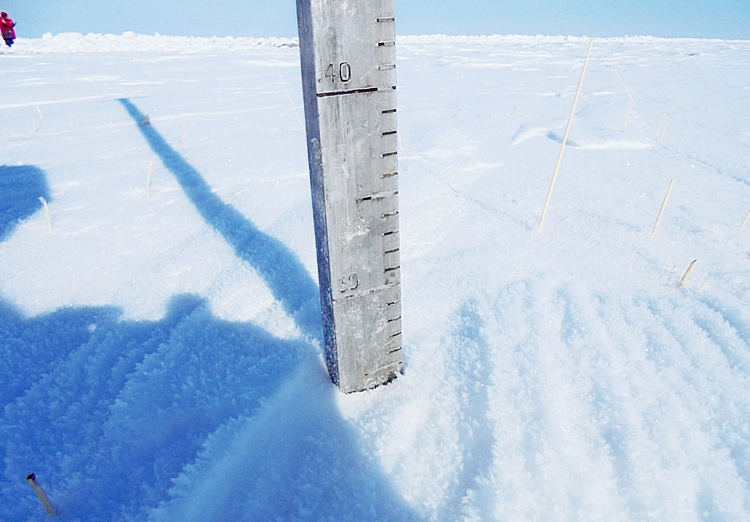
[6,26]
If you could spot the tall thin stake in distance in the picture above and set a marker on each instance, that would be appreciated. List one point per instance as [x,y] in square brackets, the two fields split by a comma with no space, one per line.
[148,181]
[663,206]
[182,135]
[663,123]
[565,139]
[627,115]
[288,94]
[46,213]
[625,87]
[661,136]
[745,221]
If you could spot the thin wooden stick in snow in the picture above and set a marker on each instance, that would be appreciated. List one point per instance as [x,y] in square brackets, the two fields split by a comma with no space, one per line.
[31,479]
[292,102]
[46,213]
[182,134]
[626,88]
[627,115]
[663,206]
[661,136]
[565,139]
[662,123]
[687,273]
[148,181]
[745,221]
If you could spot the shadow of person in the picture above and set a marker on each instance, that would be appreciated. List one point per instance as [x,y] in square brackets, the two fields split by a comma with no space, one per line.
[280,268]
[186,418]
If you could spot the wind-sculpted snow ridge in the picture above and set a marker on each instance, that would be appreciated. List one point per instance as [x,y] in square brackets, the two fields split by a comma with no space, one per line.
[132,42]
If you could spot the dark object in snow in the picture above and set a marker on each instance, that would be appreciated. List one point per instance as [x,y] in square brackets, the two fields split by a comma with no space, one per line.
[31,479]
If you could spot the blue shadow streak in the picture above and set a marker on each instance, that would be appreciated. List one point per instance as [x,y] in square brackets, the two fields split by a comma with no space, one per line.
[112,414]
[20,190]
[286,277]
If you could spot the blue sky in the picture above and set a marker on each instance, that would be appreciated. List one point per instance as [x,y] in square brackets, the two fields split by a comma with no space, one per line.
[668,18]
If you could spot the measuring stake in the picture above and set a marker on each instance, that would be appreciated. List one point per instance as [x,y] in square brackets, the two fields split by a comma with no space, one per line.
[663,123]
[661,136]
[31,479]
[296,113]
[625,87]
[663,206]
[349,85]
[46,213]
[565,139]
[182,134]
[627,115]
[148,180]
[687,273]
[745,221]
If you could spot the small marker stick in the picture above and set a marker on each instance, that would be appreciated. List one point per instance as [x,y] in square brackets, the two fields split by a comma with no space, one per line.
[148,180]
[687,272]
[745,221]
[31,479]
[46,212]
[663,123]
[38,110]
[182,134]
[663,206]
[626,87]
[661,136]
[296,113]
[565,139]
[627,115]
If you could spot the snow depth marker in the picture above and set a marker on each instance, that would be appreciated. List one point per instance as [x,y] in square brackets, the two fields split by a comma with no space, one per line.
[31,479]
[347,50]
[564,139]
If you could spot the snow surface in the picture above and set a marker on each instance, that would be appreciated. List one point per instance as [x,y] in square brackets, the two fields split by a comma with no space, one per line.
[161,347]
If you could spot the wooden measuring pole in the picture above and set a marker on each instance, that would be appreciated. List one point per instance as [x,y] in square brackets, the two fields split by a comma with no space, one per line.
[347,50]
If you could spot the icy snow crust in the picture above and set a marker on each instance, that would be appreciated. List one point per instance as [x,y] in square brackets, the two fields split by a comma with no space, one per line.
[161,349]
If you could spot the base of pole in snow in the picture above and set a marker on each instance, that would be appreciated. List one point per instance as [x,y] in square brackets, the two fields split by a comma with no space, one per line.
[349,85]
[31,479]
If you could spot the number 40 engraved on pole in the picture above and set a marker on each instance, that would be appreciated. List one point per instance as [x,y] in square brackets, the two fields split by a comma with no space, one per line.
[349,83]
[344,72]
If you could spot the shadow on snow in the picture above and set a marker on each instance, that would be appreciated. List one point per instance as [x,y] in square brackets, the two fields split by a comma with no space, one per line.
[282,271]
[20,190]
[200,418]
